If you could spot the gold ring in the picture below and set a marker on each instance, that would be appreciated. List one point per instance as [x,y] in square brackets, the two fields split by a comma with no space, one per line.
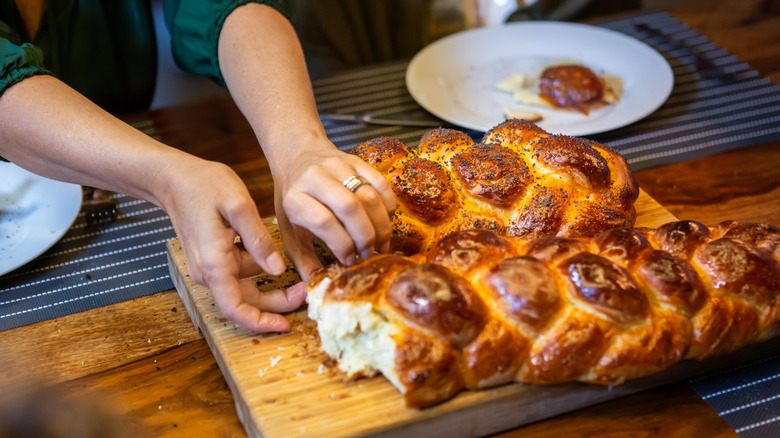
[354,181]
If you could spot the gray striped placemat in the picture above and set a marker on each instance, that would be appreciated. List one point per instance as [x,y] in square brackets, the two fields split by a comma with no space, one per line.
[747,397]
[91,267]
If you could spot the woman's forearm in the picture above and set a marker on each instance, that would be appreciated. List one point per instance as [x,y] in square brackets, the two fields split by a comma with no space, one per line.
[50,129]
[263,65]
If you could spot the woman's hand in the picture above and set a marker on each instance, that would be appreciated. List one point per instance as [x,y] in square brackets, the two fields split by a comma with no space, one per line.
[311,202]
[263,66]
[210,207]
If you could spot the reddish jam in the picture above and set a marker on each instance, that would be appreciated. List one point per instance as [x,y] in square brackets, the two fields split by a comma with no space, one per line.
[571,87]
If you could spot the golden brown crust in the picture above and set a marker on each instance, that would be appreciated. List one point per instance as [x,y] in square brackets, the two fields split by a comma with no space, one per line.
[495,357]
[467,250]
[369,279]
[645,350]
[425,188]
[493,173]
[440,142]
[523,289]
[568,349]
[519,180]
[381,152]
[409,236]
[573,156]
[542,215]
[514,132]
[427,367]
[672,281]
[605,287]
[430,296]
[480,309]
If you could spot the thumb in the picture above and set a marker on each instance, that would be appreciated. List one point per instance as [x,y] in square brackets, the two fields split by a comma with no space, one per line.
[300,250]
[257,241]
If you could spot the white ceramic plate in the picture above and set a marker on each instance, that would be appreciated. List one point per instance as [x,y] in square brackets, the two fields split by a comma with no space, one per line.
[35,212]
[454,78]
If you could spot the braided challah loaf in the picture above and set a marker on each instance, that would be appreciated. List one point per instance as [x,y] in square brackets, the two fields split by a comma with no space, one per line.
[518,181]
[480,310]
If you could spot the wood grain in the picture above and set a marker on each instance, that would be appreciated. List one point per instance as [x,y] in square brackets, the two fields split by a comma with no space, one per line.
[178,392]
[672,411]
[77,345]
[750,190]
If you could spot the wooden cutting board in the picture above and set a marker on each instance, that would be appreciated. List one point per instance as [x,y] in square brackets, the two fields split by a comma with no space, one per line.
[282,389]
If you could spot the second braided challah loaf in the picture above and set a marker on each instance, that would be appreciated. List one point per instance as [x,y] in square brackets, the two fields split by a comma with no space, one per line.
[480,310]
[518,181]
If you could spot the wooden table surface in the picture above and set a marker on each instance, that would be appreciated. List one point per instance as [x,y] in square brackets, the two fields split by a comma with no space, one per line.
[144,361]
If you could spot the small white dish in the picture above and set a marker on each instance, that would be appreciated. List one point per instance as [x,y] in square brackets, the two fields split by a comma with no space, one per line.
[35,212]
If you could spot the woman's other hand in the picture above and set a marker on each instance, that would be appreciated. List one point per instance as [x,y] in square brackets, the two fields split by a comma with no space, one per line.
[210,208]
[312,201]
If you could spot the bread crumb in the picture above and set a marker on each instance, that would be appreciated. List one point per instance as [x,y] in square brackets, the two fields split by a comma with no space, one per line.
[275,360]
[300,374]
[516,113]
[321,369]
[261,373]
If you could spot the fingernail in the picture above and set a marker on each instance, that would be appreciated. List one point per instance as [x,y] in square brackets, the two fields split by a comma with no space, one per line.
[366,254]
[269,323]
[275,264]
[296,293]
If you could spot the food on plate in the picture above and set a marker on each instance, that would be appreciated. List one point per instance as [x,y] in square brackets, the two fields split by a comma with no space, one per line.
[480,310]
[519,181]
[571,87]
[564,86]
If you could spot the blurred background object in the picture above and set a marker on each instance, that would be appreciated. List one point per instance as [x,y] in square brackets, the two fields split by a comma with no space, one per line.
[341,34]
[38,412]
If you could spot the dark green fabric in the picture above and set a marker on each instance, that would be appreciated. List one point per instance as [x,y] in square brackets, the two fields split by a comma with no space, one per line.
[20,60]
[340,34]
[106,49]
[195,26]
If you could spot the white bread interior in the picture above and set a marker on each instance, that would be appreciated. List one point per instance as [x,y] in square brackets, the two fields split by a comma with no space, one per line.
[355,333]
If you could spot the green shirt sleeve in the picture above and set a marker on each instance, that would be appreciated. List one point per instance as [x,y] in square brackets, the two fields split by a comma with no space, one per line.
[17,61]
[195,26]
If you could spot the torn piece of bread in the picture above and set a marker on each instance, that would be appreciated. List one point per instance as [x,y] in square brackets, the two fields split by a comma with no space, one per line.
[356,333]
